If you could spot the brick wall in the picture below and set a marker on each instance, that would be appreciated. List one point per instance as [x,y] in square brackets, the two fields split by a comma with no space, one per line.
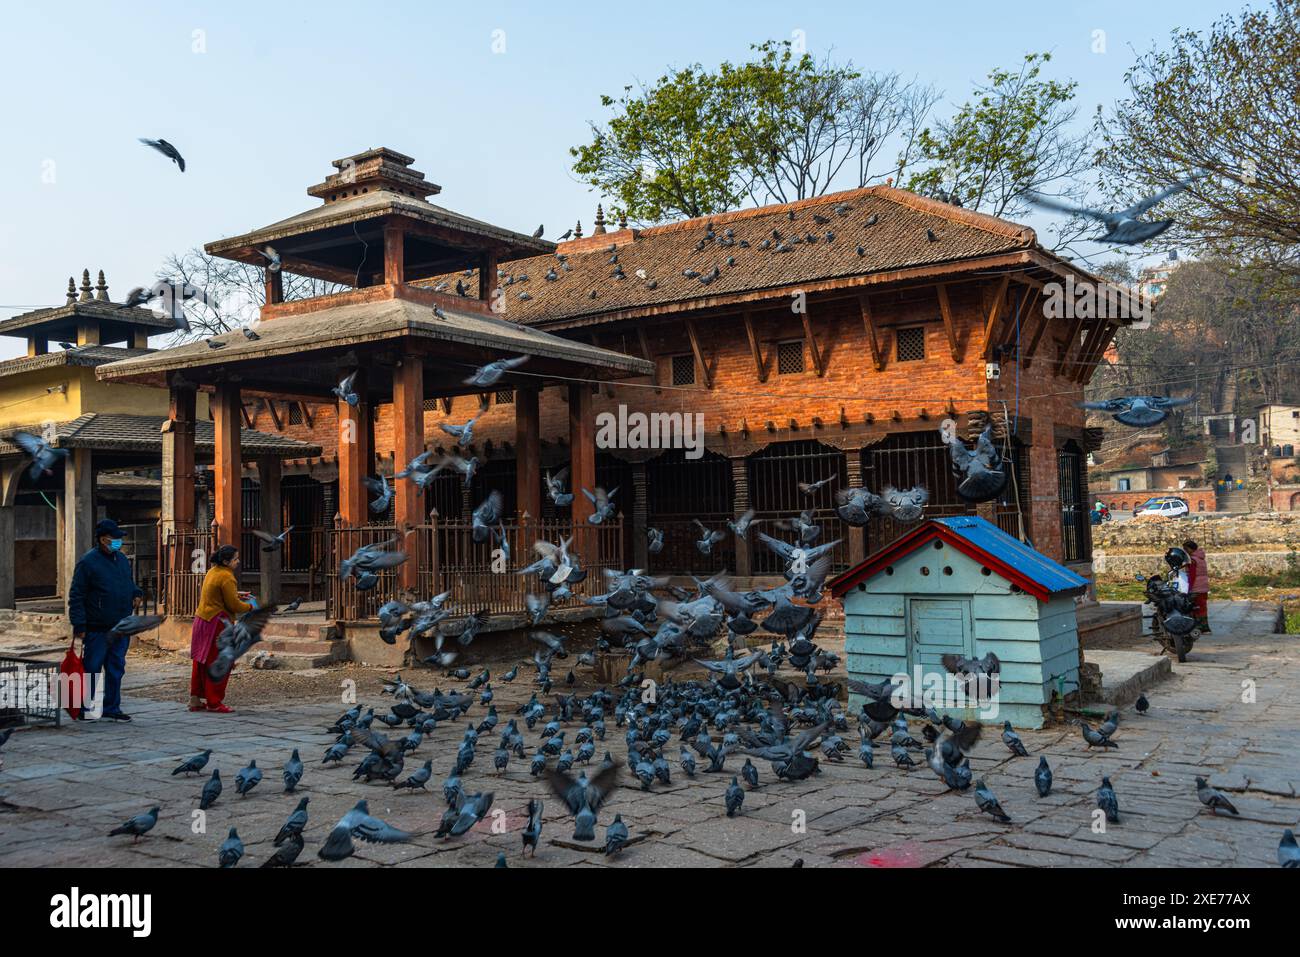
[1198,499]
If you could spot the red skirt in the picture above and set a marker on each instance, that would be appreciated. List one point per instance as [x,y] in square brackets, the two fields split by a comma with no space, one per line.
[203,649]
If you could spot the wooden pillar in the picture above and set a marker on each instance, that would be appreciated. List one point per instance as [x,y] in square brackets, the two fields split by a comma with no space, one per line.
[853,479]
[63,574]
[740,505]
[37,346]
[178,475]
[8,496]
[274,287]
[408,442]
[528,461]
[640,517]
[227,467]
[582,451]
[487,276]
[268,480]
[78,511]
[139,338]
[394,255]
[87,333]
[355,431]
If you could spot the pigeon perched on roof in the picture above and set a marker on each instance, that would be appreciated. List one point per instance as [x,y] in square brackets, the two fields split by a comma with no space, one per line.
[167,150]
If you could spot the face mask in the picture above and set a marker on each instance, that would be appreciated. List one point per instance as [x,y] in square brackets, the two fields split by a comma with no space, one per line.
[115,544]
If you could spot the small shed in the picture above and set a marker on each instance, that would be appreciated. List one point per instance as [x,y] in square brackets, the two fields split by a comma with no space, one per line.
[963,586]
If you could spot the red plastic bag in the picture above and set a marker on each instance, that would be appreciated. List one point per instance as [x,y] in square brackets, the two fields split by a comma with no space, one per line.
[74,679]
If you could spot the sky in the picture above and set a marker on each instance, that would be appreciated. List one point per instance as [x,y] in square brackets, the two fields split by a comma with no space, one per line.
[488,98]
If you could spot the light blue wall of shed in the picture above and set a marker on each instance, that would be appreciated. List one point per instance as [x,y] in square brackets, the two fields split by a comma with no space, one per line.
[1035,641]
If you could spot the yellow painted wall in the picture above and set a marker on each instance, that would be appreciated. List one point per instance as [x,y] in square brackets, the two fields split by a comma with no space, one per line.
[25,401]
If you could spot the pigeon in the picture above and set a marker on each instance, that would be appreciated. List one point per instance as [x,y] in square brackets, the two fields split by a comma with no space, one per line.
[654,540]
[555,488]
[272,543]
[344,390]
[584,797]
[604,505]
[1043,777]
[741,525]
[247,779]
[980,675]
[469,809]
[982,477]
[1123,227]
[810,488]
[294,825]
[167,150]
[1138,411]
[905,505]
[1107,801]
[1095,739]
[249,334]
[750,774]
[1142,704]
[43,457]
[532,832]
[464,434]
[286,853]
[211,790]
[1213,798]
[231,850]
[358,823]
[193,765]
[485,515]
[616,836]
[491,373]
[1288,853]
[383,490]
[418,779]
[857,505]
[137,826]
[272,258]
[136,624]
[1012,741]
[708,538]
[734,797]
[988,803]
[237,638]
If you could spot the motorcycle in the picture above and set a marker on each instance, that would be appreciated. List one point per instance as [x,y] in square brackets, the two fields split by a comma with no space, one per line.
[1173,622]
[1100,515]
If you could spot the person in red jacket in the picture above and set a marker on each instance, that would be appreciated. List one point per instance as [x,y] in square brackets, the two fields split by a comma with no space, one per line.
[1199,584]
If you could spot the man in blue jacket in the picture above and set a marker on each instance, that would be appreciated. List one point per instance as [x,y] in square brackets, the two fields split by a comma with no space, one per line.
[103,592]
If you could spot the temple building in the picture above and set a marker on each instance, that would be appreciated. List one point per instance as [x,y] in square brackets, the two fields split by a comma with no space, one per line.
[827,338]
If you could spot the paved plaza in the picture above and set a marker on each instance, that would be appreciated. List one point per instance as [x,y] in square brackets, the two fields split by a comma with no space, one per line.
[1230,714]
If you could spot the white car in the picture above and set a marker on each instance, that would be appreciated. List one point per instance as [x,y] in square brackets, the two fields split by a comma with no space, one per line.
[1164,508]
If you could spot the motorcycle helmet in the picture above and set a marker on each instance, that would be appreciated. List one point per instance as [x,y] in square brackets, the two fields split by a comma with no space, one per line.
[1176,558]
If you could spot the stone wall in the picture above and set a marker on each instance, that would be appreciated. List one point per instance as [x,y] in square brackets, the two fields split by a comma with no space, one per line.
[1224,566]
[1222,532]
[1197,499]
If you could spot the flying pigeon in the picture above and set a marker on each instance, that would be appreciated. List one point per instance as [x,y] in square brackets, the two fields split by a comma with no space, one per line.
[584,796]
[604,505]
[237,638]
[1122,226]
[532,832]
[272,258]
[136,624]
[358,823]
[167,150]
[464,434]
[344,390]
[491,373]
[1139,411]
[708,538]
[555,488]
[383,490]
[980,470]
[43,457]
[272,541]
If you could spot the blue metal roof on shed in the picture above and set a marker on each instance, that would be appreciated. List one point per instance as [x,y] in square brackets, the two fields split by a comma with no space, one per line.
[981,539]
[987,537]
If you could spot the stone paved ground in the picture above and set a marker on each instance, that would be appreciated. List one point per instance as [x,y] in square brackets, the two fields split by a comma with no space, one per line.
[61,790]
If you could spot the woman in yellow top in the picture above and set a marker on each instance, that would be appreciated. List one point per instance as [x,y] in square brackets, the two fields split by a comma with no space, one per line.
[220,601]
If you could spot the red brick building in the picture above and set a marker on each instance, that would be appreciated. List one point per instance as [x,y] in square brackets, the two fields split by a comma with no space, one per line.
[825,337]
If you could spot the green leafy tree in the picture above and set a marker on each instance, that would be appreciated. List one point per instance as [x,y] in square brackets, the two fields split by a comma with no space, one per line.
[1223,102]
[1017,135]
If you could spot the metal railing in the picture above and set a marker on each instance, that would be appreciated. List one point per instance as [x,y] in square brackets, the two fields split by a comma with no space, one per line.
[181,571]
[447,558]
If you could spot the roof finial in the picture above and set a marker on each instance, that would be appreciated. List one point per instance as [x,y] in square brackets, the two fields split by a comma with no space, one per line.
[72,290]
[577,230]
[600,221]
[622,219]
[85,286]
[101,288]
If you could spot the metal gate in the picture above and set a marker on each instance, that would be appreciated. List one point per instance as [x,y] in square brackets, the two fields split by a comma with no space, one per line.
[679,491]
[1075,542]
[774,477]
